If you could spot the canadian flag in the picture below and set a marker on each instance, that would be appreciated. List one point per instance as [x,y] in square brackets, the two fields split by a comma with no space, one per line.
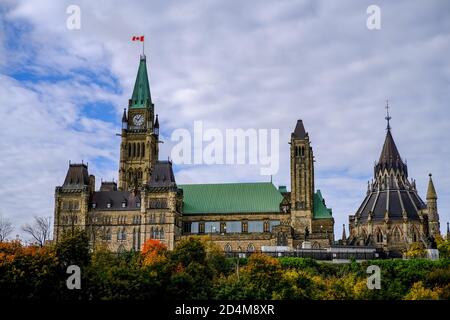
[138,38]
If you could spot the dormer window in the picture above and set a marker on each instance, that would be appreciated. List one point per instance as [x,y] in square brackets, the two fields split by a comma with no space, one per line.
[124,204]
[138,204]
[108,205]
[94,205]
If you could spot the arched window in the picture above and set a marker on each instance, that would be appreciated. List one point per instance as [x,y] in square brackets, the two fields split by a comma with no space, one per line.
[396,235]
[108,234]
[138,151]
[266,226]
[134,150]
[161,233]
[415,236]
[143,150]
[316,245]
[136,239]
[129,150]
[250,248]
[227,248]
[379,236]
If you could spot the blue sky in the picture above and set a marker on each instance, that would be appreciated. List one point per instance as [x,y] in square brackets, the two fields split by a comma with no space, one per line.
[231,64]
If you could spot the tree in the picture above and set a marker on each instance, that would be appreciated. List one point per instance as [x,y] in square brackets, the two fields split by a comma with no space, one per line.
[154,252]
[6,228]
[443,246]
[73,248]
[39,230]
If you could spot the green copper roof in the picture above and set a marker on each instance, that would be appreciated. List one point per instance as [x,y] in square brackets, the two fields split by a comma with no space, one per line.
[320,210]
[141,91]
[230,198]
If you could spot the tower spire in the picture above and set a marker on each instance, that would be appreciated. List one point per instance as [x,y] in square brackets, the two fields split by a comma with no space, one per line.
[388,117]
[431,192]
[141,96]
[344,236]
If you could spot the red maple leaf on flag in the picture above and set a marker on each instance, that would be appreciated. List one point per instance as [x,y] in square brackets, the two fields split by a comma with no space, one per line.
[138,38]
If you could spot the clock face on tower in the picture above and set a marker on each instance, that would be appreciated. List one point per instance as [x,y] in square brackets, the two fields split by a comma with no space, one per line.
[138,120]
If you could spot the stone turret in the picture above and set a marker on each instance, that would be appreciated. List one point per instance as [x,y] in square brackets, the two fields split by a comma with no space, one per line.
[433,216]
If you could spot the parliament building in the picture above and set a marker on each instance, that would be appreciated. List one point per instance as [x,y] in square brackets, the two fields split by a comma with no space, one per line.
[147,203]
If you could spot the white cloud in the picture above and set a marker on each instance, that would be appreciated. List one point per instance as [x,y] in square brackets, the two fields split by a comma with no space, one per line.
[236,65]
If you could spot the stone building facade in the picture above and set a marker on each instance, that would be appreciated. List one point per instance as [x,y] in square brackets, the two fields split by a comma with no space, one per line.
[147,203]
[392,215]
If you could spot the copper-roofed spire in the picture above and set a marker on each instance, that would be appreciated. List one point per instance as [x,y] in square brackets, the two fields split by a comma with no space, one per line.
[141,92]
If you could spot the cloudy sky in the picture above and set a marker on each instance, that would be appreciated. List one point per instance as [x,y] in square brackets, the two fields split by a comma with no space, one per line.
[231,64]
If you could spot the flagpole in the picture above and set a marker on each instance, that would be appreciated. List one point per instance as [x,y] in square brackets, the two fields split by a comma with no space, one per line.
[143,42]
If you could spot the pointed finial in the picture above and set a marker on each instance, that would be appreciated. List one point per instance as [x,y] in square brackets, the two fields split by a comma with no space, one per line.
[388,117]
[344,235]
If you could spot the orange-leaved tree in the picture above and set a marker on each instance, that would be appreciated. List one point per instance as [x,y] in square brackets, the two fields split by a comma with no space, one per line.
[153,252]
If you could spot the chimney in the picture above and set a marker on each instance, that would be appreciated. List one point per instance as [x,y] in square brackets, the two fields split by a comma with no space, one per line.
[91,183]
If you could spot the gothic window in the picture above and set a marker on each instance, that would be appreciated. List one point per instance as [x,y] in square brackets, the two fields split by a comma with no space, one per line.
[316,245]
[129,150]
[157,204]
[143,150]
[108,234]
[138,150]
[282,239]
[138,236]
[162,218]
[201,227]
[227,248]
[134,150]
[396,235]
[152,233]
[266,226]
[121,235]
[161,233]
[223,227]
[136,239]
[187,227]
[379,236]
[244,226]
[415,236]
[251,248]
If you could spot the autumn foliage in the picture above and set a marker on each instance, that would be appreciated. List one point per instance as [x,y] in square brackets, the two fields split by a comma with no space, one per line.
[153,252]
[198,269]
